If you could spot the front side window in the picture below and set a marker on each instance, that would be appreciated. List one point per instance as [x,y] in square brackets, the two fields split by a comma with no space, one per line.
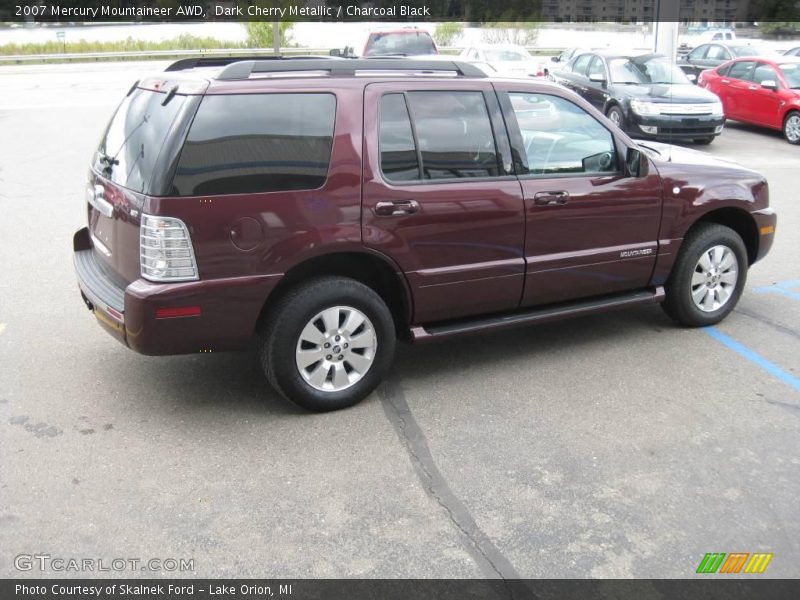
[561,138]
[597,69]
[581,64]
[764,72]
[791,73]
[250,143]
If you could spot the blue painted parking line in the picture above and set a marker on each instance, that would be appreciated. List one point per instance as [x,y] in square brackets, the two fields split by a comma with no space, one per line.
[783,288]
[753,357]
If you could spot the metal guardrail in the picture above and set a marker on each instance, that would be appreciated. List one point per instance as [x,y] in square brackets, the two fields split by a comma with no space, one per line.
[156,54]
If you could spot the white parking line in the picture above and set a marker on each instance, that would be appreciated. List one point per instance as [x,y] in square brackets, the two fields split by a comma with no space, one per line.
[2,328]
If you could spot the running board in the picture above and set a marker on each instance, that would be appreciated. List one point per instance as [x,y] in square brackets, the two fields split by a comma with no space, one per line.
[420,333]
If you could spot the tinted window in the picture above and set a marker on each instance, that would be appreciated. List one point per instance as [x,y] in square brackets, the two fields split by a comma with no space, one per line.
[257,143]
[409,43]
[723,70]
[764,72]
[698,53]
[454,134]
[581,64]
[135,137]
[398,151]
[560,137]
[742,70]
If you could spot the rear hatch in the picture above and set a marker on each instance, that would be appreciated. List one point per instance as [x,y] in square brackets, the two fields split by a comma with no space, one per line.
[136,158]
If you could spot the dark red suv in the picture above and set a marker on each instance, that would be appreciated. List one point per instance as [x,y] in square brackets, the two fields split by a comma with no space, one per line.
[327,206]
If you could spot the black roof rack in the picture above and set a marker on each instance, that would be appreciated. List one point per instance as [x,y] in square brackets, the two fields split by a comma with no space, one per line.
[347,66]
[223,61]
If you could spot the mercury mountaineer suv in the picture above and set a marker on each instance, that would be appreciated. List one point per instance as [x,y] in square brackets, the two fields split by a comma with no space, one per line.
[327,206]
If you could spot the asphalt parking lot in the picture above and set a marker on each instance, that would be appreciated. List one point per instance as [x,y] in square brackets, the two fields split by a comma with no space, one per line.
[617,445]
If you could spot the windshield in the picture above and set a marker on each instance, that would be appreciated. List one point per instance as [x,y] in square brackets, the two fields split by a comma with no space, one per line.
[505,55]
[791,73]
[130,146]
[409,43]
[744,50]
[657,69]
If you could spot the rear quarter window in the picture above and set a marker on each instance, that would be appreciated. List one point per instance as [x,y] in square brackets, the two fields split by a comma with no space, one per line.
[252,143]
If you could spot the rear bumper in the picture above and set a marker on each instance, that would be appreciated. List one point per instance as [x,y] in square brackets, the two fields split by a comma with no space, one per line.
[228,308]
[766,221]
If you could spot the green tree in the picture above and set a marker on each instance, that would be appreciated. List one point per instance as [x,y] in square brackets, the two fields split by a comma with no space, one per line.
[446,34]
[260,35]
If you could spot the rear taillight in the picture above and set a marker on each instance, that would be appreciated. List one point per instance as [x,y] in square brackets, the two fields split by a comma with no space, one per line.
[165,250]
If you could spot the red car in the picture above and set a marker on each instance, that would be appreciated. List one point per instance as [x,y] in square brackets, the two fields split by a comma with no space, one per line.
[761,91]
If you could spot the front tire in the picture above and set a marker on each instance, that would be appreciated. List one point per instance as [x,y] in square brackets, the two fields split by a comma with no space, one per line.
[327,343]
[791,127]
[615,115]
[708,276]
[705,141]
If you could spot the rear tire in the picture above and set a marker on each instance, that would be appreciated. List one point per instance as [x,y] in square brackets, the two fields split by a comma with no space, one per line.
[708,276]
[327,343]
[791,127]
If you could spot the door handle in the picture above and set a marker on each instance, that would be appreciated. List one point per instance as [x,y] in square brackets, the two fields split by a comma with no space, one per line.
[550,198]
[725,81]
[396,208]
[753,87]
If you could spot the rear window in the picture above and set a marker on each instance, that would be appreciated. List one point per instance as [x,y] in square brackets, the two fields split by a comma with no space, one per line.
[129,149]
[243,144]
[409,43]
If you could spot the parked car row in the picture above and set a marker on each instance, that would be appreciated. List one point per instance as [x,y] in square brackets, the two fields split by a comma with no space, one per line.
[648,96]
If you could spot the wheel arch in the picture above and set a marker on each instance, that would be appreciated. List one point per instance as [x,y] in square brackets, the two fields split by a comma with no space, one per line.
[741,221]
[370,268]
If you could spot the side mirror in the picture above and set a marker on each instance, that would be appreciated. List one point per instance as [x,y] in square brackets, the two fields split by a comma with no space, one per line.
[769,84]
[691,77]
[597,78]
[335,52]
[633,163]
[554,58]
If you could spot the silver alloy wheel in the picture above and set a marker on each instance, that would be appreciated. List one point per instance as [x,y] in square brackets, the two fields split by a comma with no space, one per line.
[613,116]
[792,128]
[336,348]
[714,278]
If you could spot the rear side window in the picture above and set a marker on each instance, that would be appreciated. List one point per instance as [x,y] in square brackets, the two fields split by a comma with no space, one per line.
[250,143]
[398,151]
[742,70]
[130,147]
[454,134]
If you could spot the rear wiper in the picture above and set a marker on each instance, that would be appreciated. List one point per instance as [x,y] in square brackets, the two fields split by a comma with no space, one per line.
[109,160]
